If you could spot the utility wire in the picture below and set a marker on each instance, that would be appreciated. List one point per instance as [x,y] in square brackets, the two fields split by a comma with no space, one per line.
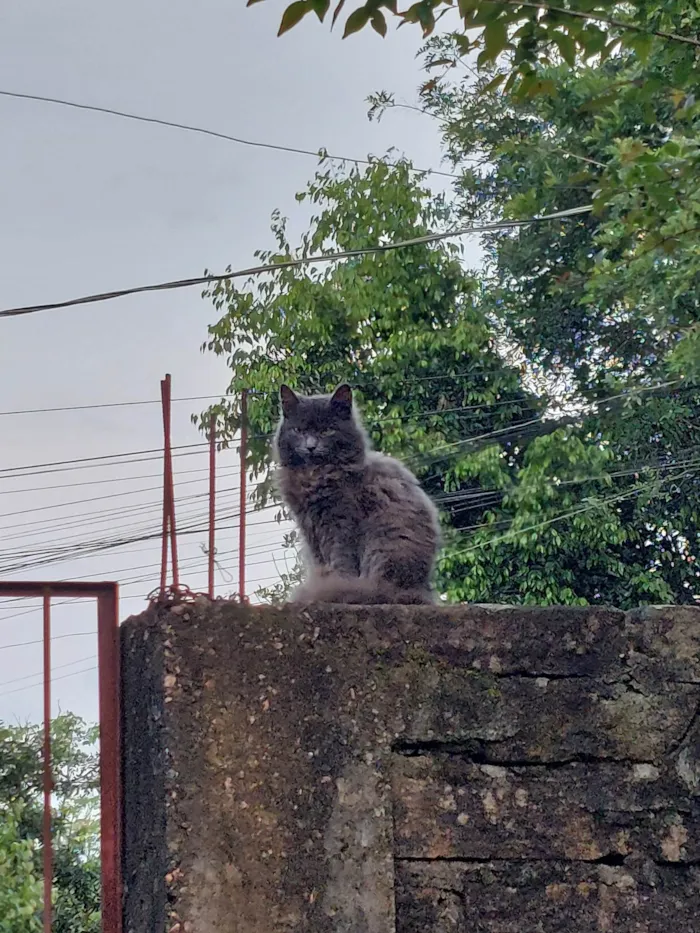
[80,549]
[223,398]
[239,140]
[182,447]
[75,551]
[57,667]
[114,495]
[598,503]
[128,453]
[148,401]
[97,482]
[267,548]
[84,670]
[84,464]
[40,641]
[295,263]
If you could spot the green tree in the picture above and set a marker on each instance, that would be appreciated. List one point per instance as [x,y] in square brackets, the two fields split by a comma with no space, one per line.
[646,73]
[597,305]
[76,905]
[533,507]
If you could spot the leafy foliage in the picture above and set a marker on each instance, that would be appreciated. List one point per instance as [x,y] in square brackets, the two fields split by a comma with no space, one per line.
[529,34]
[75,822]
[631,71]
[608,302]
[20,888]
[536,508]
[289,577]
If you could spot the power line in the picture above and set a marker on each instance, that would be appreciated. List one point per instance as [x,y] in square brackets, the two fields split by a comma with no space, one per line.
[199,398]
[128,453]
[557,518]
[295,263]
[267,548]
[96,482]
[203,131]
[224,398]
[113,495]
[78,546]
[81,549]
[519,427]
[403,418]
[148,401]
[48,466]
[57,667]
[82,519]
[255,548]
[85,670]
[79,465]
[40,641]
[89,463]
[78,550]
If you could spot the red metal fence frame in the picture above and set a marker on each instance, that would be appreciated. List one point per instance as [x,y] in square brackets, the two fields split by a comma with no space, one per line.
[107,596]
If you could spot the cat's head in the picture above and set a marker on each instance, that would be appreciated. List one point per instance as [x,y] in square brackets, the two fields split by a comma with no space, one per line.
[319,429]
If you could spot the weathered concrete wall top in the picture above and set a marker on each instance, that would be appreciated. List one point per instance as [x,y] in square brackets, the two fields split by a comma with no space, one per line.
[406,769]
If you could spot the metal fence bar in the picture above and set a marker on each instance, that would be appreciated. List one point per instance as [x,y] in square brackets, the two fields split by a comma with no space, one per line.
[110,759]
[166,502]
[47,778]
[106,594]
[243,503]
[212,503]
[168,488]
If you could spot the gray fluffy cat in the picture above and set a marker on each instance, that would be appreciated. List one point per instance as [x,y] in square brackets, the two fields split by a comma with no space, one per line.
[370,532]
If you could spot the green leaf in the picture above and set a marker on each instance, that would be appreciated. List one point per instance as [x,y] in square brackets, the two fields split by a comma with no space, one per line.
[463,43]
[378,21]
[356,21]
[640,44]
[566,46]
[294,13]
[466,8]
[494,83]
[320,8]
[495,41]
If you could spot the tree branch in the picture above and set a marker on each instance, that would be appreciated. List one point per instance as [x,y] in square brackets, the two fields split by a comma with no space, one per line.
[599,18]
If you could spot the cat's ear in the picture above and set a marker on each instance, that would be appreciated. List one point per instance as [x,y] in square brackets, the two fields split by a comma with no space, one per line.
[289,400]
[341,401]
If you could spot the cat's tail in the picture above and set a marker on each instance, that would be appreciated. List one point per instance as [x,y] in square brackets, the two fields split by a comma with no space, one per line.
[331,587]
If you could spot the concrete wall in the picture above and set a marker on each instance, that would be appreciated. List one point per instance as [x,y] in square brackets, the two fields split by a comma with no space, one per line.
[411,770]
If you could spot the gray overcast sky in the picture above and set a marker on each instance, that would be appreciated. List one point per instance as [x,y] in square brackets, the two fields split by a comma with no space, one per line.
[91,202]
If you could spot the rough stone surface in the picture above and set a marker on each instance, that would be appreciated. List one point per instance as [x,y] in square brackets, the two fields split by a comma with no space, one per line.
[477,769]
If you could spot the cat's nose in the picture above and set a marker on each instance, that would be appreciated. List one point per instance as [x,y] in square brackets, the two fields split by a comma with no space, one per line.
[311,442]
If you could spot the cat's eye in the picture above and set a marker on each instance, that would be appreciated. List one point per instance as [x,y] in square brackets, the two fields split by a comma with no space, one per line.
[327,432]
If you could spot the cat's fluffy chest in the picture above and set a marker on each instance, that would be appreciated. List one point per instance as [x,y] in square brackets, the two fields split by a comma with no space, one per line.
[356,490]
[324,486]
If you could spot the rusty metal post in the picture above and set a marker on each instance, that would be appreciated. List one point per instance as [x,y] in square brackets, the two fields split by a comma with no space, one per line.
[212,502]
[168,488]
[110,785]
[242,516]
[47,777]
[164,541]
